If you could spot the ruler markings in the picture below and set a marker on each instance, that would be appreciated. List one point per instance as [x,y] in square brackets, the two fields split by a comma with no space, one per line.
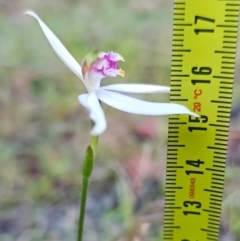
[180,45]
[182,24]
[224,52]
[181,50]
[227,62]
[228,57]
[177,60]
[220,162]
[184,165]
[218,210]
[226,47]
[217,125]
[217,183]
[177,8]
[176,100]
[230,31]
[219,157]
[225,67]
[222,121]
[216,200]
[233,4]
[225,72]
[228,36]
[225,92]
[231,21]
[178,29]
[179,123]
[214,170]
[219,153]
[179,14]
[211,238]
[171,227]
[232,10]
[177,34]
[229,97]
[170,207]
[214,215]
[220,144]
[179,3]
[210,211]
[173,118]
[211,223]
[226,26]
[222,77]
[222,116]
[175,167]
[178,40]
[211,231]
[214,219]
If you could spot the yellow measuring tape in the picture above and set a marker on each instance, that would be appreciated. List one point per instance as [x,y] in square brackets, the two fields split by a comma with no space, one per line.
[203,59]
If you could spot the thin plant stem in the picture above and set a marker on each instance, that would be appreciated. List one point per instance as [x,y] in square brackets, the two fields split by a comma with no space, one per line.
[83,201]
[94,141]
[86,174]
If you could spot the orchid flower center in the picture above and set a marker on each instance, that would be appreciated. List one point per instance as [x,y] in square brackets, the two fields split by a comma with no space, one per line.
[97,65]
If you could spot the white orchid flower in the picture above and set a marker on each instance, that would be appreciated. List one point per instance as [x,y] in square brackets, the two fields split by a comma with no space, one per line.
[95,67]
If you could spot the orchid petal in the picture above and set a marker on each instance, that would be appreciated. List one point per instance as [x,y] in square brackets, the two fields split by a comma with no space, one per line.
[58,47]
[96,114]
[135,106]
[137,88]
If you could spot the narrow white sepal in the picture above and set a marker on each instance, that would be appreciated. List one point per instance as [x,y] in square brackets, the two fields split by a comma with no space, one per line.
[135,106]
[58,47]
[137,88]
[96,114]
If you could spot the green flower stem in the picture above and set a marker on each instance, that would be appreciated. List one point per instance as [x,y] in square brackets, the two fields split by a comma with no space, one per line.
[94,141]
[86,173]
[84,191]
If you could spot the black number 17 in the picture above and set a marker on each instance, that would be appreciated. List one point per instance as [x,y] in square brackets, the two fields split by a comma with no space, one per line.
[197,31]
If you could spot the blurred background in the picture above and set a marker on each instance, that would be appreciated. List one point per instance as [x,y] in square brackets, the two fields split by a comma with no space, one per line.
[44,131]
